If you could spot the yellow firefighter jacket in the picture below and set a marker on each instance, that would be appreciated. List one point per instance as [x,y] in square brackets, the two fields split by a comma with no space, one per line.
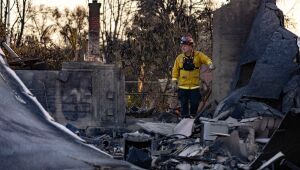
[189,79]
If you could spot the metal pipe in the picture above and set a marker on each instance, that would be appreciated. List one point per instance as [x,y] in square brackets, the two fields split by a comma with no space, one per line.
[10,51]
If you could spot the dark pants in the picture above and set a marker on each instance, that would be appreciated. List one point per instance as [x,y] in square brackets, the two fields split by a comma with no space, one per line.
[189,101]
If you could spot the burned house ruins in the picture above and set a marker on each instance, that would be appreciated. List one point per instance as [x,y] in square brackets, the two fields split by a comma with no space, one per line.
[253,124]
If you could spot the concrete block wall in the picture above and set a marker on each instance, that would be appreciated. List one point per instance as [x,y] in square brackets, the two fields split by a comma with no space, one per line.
[82,93]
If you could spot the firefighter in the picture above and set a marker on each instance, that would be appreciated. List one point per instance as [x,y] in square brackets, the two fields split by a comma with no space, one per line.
[186,76]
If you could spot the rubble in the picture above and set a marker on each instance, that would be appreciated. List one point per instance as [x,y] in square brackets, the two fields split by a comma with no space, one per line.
[291,94]
[184,127]
[159,128]
[218,143]
[285,139]
[138,149]
[243,125]
[210,130]
[139,157]
[139,112]
[169,116]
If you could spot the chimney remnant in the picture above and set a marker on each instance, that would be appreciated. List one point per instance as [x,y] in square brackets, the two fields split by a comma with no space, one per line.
[94,35]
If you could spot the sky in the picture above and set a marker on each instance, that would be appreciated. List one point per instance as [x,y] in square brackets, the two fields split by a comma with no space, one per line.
[62,3]
[73,3]
[289,7]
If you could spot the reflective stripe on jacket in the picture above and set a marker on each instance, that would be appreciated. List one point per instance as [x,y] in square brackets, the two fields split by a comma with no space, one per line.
[189,79]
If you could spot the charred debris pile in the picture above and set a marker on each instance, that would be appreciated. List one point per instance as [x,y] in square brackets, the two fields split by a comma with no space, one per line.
[255,127]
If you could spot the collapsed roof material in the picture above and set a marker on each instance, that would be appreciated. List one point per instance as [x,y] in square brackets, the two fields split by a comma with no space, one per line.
[285,139]
[268,54]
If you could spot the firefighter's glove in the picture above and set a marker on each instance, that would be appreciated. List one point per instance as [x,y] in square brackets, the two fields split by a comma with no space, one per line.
[211,67]
[174,86]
